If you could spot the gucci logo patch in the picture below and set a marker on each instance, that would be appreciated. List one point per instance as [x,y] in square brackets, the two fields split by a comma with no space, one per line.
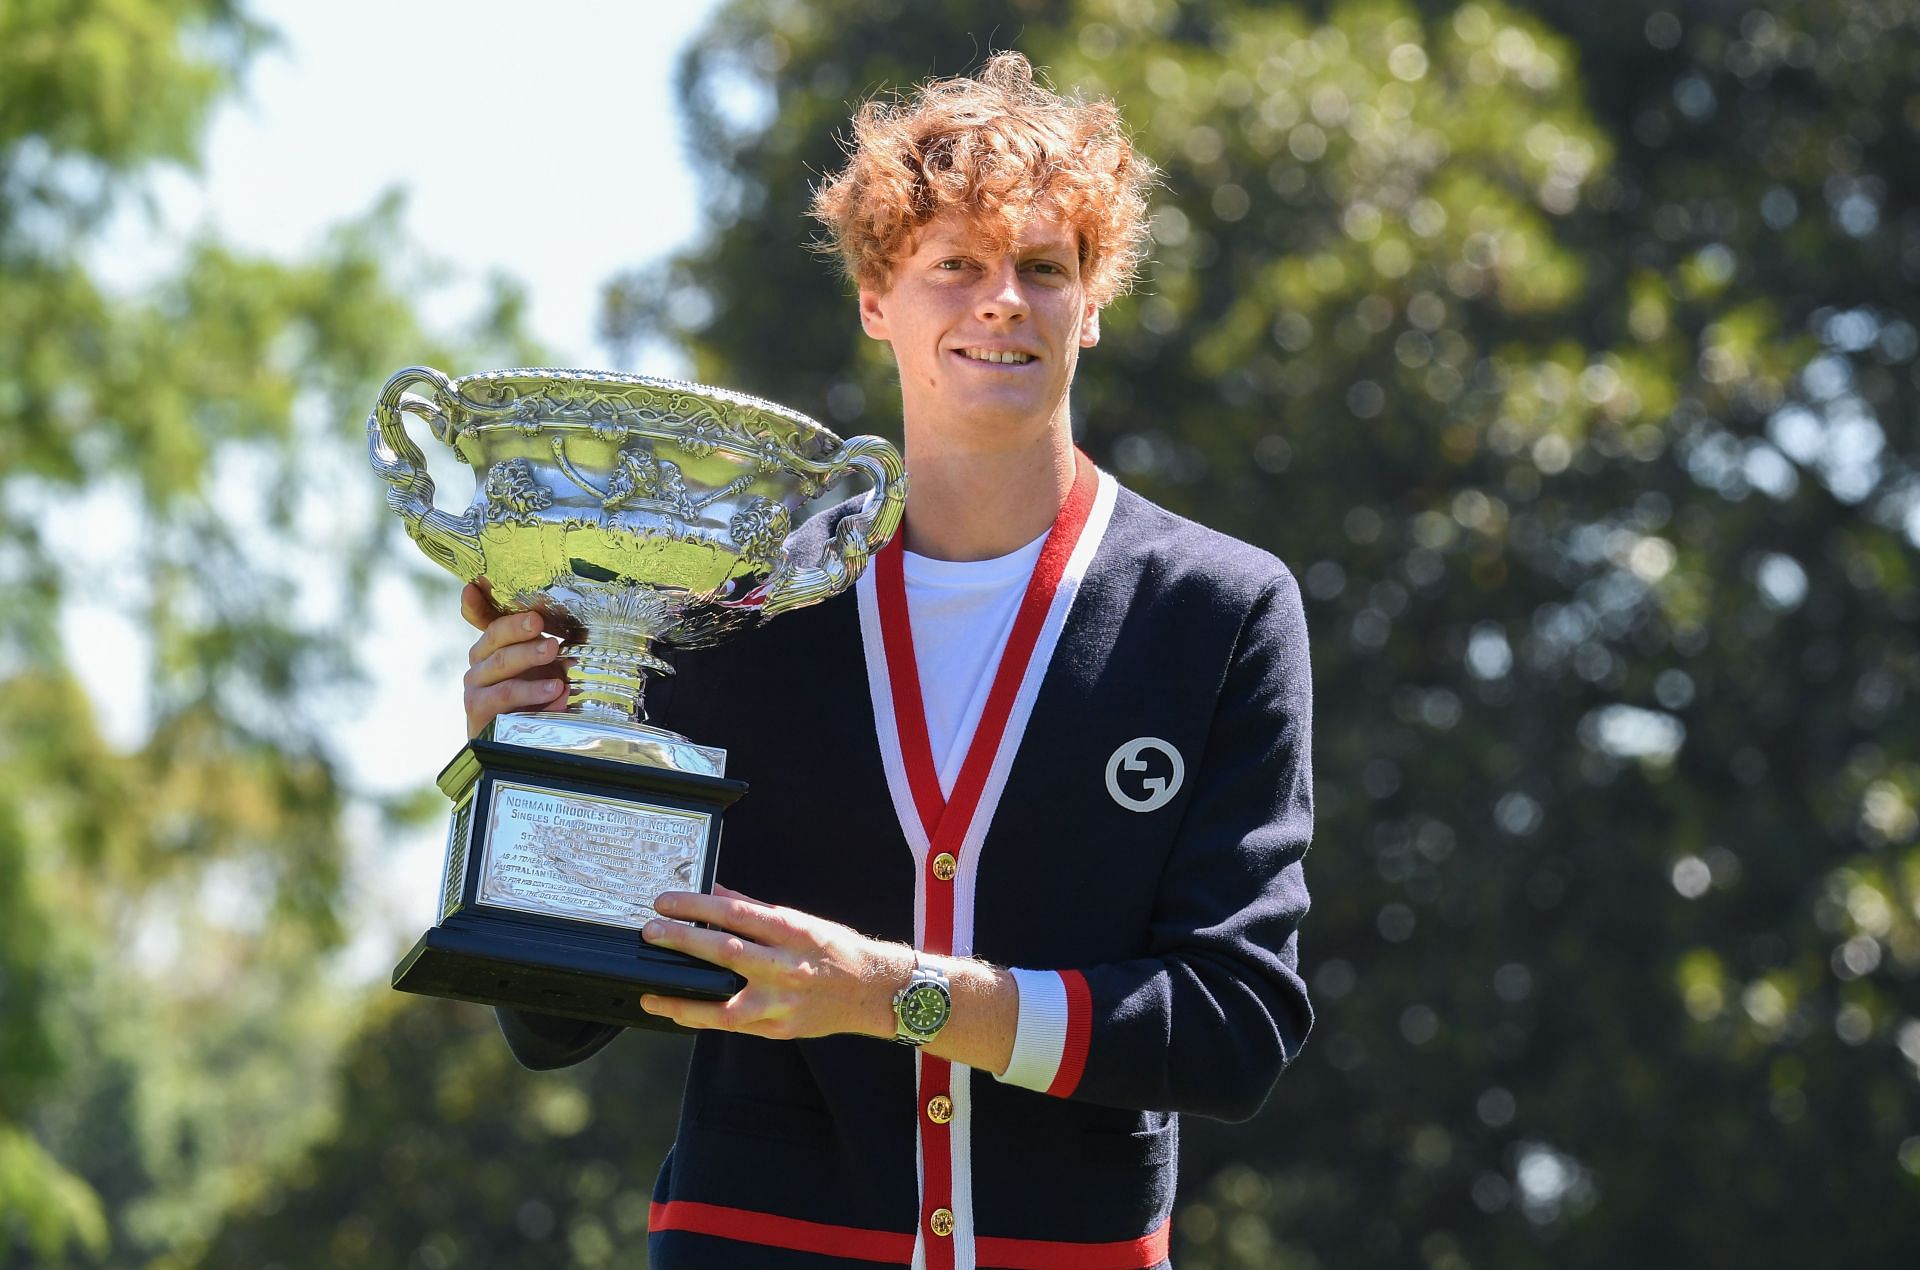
[1145,773]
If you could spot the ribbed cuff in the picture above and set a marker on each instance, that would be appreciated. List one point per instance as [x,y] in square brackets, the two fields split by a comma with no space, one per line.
[1040,1036]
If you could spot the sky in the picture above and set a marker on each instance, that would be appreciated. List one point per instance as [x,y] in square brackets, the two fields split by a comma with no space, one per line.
[548,150]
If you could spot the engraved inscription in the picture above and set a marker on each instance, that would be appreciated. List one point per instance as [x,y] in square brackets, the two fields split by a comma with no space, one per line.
[596,859]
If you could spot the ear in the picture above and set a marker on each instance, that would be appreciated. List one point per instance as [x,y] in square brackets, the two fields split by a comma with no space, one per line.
[1090,327]
[873,314]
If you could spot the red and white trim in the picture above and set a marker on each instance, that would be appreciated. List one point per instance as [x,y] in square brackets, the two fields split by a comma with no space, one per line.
[854,1243]
[1056,1023]
[936,821]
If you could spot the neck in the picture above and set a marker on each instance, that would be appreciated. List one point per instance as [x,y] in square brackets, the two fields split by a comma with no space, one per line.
[975,501]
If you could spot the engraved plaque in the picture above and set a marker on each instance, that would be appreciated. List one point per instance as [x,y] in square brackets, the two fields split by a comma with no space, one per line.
[596,859]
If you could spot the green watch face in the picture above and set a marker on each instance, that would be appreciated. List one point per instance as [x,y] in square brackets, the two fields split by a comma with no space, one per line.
[924,1008]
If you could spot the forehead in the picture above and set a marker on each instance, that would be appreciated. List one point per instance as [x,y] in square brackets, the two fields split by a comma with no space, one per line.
[952,229]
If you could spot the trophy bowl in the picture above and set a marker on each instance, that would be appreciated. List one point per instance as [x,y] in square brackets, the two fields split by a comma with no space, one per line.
[629,510]
[635,514]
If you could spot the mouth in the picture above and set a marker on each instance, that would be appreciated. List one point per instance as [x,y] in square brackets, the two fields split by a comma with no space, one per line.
[998,357]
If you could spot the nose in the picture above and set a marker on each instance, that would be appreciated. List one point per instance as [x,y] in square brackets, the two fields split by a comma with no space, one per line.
[1002,298]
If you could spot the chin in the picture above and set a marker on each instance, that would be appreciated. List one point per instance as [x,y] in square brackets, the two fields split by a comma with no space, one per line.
[992,416]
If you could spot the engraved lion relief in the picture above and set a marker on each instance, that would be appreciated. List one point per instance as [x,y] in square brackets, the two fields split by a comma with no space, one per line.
[513,492]
[643,478]
[760,530]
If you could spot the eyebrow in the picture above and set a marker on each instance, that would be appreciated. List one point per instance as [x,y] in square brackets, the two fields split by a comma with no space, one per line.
[956,243]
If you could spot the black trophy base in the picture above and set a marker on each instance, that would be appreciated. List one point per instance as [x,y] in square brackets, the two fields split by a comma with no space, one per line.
[582,973]
[500,956]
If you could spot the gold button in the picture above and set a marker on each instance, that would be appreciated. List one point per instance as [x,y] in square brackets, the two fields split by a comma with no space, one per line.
[941,1223]
[945,866]
[940,1109]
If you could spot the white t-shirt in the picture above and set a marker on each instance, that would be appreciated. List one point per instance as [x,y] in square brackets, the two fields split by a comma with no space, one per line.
[962,612]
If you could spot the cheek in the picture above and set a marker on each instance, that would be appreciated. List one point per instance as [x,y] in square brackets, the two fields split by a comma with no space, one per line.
[918,367]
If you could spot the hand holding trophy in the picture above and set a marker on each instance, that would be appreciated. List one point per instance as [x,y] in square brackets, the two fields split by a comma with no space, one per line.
[633,514]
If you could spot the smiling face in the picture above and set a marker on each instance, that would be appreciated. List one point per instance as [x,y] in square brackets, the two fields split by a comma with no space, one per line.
[986,339]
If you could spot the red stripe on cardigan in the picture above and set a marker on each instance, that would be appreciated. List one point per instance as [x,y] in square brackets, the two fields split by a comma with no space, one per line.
[903,677]
[1073,1055]
[1045,1254]
[749,1227]
[743,1225]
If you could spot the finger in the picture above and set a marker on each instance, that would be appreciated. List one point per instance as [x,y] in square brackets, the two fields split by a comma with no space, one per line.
[477,606]
[513,628]
[699,1015]
[743,1012]
[486,704]
[512,661]
[721,947]
[679,1010]
[729,893]
[759,922]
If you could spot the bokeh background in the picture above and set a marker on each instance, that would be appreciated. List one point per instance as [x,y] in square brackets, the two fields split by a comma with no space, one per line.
[1565,350]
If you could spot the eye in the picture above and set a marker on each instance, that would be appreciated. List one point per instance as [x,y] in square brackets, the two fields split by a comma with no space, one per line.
[952,264]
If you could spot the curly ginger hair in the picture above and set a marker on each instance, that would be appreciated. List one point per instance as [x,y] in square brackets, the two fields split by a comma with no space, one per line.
[999,148]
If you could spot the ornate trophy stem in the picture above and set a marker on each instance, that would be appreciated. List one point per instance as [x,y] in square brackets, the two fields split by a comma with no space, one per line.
[607,679]
[607,671]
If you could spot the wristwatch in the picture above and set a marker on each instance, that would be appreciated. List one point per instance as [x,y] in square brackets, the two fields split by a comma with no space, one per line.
[922,1006]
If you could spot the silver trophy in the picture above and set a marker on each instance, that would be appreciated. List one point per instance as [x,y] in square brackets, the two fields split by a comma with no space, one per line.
[635,514]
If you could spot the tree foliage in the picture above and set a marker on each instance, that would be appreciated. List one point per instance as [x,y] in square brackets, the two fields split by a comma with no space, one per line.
[449,1154]
[166,1025]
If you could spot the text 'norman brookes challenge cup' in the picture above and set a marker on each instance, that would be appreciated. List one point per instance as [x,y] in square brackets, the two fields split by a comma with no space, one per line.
[635,514]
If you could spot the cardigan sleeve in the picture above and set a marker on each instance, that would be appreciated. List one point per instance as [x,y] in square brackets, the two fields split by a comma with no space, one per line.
[1206,1021]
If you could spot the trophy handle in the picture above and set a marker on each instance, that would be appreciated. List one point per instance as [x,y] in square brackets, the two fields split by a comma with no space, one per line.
[858,536]
[452,541]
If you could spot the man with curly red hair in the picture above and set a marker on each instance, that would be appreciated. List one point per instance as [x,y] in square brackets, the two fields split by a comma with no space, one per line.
[1041,814]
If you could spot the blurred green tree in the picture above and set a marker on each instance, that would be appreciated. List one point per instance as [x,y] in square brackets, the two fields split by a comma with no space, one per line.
[449,1154]
[166,1026]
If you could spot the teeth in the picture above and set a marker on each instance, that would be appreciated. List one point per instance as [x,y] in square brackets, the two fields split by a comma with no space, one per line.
[1009,359]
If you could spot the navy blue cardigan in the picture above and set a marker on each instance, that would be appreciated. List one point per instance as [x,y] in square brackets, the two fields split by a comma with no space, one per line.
[1173,928]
